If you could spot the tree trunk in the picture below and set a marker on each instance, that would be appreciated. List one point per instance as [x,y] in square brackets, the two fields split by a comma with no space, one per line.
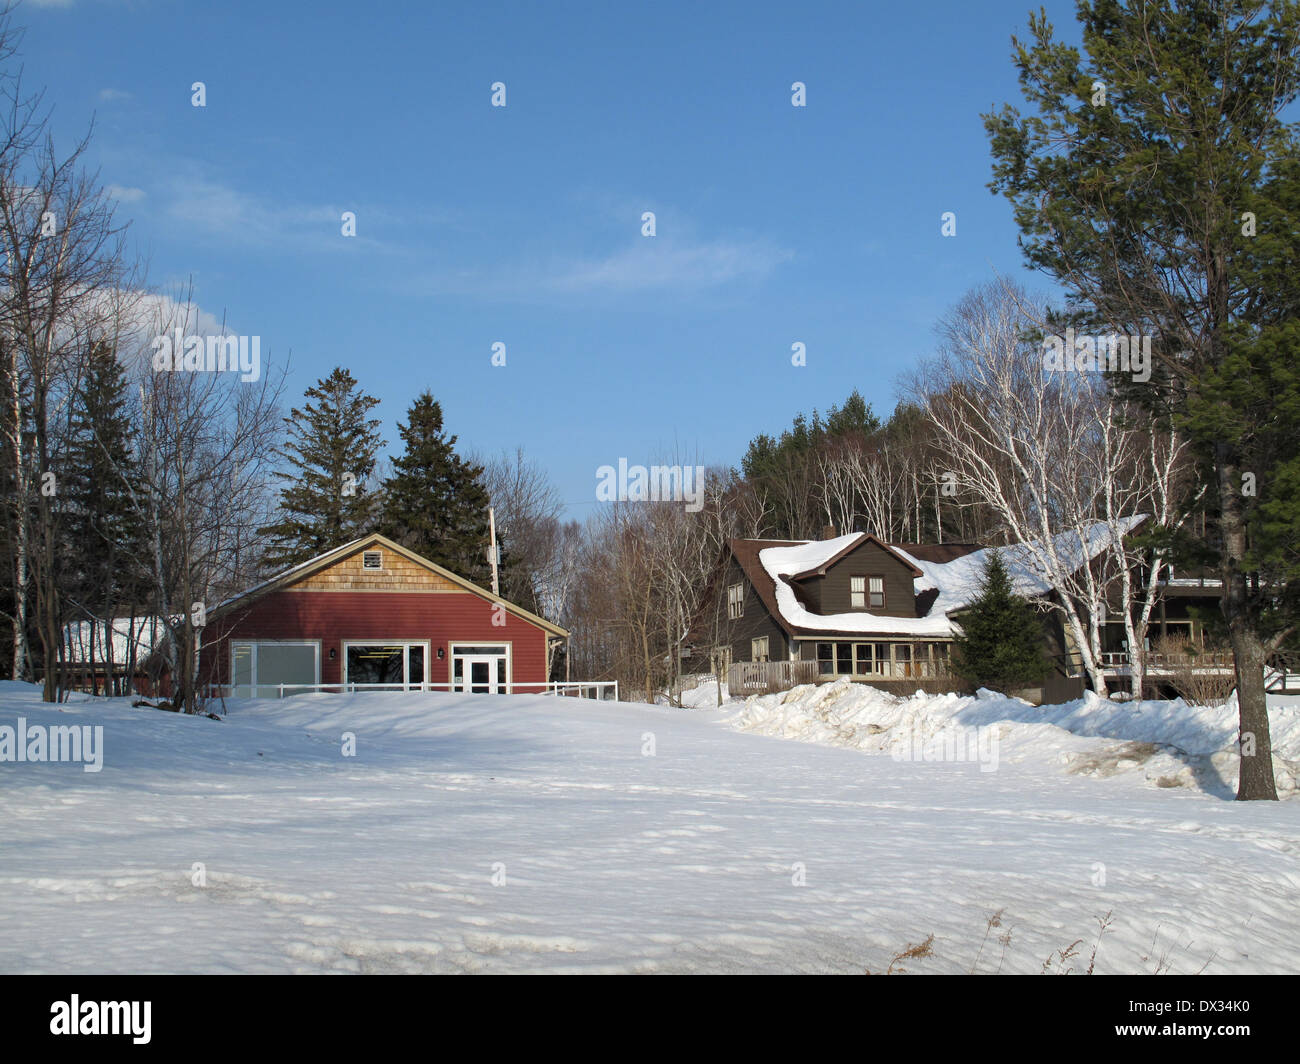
[22,526]
[1255,782]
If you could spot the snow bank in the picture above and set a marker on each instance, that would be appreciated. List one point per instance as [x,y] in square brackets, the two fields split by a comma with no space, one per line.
[1171,743]
[702,695]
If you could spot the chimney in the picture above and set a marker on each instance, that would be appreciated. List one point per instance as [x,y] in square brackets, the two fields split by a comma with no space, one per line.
[828,532]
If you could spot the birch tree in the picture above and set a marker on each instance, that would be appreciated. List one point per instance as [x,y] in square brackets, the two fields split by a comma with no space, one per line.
[1053,456]
[208,444]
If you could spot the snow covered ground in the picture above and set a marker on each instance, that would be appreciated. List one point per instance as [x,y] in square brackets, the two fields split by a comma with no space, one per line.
[522,833]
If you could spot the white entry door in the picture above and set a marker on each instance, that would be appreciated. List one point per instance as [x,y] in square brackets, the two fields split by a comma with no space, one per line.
[481,670]
[480,673]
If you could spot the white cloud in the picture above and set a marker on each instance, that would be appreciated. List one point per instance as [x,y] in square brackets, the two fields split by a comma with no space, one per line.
[113,95]
[236,217]
[659,263]
[125,193]
[652,264]
[130,319]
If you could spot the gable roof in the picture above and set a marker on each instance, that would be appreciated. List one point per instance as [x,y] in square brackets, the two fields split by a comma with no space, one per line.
[305,569]
[822,554]
[785,565]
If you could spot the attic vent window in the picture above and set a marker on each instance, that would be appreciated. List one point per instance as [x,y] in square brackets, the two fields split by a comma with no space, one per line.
[372,559]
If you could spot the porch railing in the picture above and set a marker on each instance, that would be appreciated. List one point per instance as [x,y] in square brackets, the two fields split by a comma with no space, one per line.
[754,676]
[1281,674]
[1216,660]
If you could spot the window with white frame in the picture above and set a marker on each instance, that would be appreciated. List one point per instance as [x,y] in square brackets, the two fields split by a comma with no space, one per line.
[758,649]
[857,592]
[259,668]
[877,592]
[380,663]
[735,601]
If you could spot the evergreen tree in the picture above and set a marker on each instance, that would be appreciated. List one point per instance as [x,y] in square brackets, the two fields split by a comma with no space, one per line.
[1001,641]
[1156,180]
[435,503]
[783,471]
[331,451]
[104,564]
[855,418]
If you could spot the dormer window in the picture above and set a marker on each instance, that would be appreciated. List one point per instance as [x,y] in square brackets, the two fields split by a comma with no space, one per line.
[866,592]
[372,559]
[877,598]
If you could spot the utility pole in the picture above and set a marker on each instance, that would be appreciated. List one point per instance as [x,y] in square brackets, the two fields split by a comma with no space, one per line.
[492,550]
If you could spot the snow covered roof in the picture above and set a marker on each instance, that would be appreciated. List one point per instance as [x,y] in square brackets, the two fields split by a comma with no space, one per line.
[955,583]
[819,555]
[145,632]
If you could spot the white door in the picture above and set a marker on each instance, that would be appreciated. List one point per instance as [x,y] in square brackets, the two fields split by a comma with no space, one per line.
[479,674]
[481,668]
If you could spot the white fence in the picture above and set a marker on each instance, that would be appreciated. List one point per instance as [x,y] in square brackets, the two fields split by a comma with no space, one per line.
[603,690]
[566,688]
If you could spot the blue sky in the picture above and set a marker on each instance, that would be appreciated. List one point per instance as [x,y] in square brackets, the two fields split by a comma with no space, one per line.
[522,224]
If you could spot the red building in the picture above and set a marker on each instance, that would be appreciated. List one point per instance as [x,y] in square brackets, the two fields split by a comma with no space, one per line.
[373,612]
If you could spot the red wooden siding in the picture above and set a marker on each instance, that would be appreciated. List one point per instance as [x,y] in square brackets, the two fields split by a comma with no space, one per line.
[333,616]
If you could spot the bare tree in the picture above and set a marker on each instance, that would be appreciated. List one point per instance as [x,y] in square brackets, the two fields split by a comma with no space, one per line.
[1057,458]
[62,251]
[208,442]
[528,512]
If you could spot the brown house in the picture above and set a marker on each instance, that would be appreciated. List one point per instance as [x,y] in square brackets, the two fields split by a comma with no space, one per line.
[885,614]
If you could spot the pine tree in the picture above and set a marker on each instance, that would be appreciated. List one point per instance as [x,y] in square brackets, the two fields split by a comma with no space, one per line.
[435,503]
[1001,641]
[855,418]
[1154,178]
[104,572]
[331,451]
